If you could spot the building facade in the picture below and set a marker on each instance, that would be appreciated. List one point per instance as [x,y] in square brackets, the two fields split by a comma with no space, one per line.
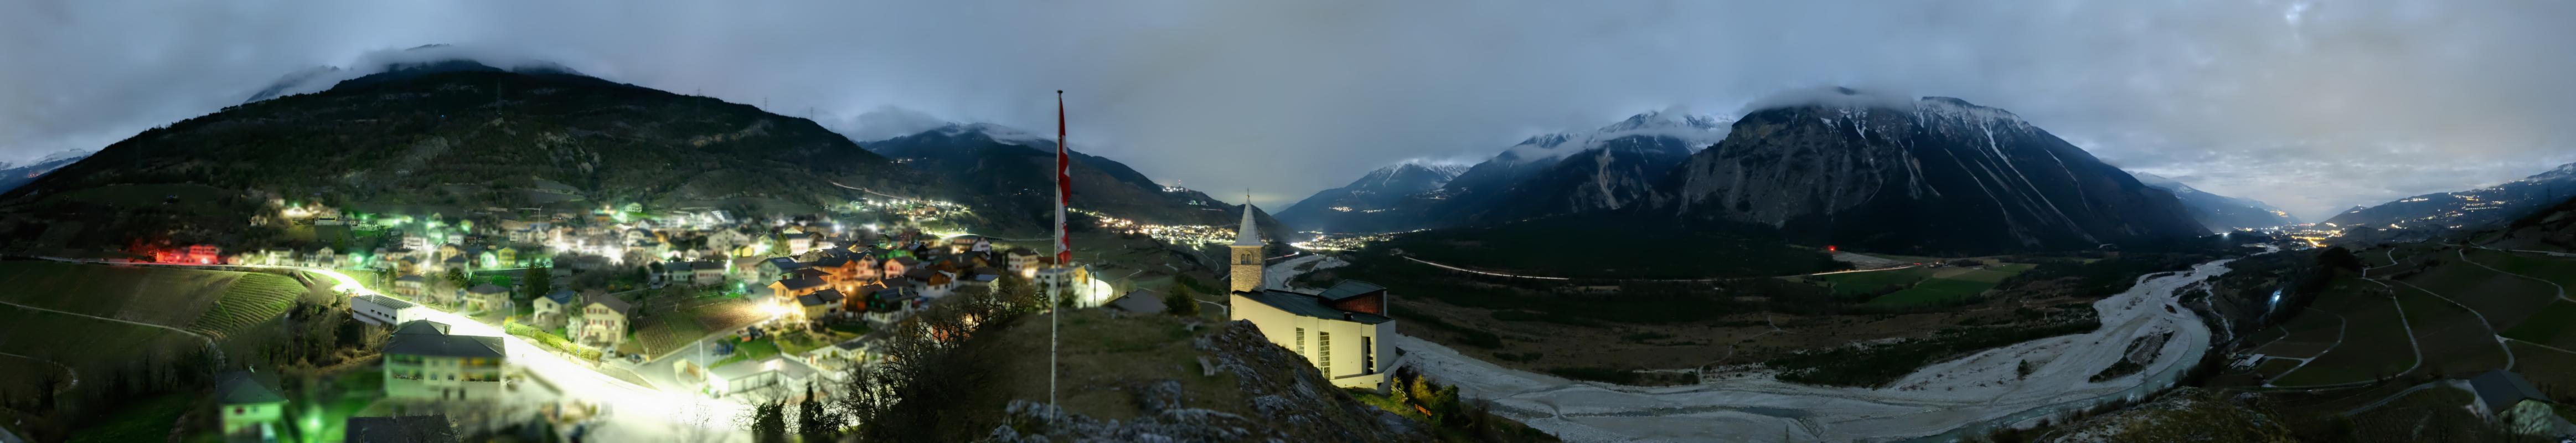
[1246,254]
[422,360]
[1338,330]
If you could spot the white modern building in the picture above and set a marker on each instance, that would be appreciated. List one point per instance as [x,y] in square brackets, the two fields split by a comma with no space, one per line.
[384,311]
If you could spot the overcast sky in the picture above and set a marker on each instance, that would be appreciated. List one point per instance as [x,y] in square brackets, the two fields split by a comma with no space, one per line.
[2312,106]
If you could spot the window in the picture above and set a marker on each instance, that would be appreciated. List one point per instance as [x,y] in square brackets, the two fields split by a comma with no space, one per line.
[1324,353]
[1301,341]
[1368,355]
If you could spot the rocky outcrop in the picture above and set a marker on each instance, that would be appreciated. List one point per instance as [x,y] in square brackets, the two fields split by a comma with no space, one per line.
[1286,403]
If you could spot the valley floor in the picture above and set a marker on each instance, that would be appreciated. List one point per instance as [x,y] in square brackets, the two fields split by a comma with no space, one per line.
[1972,392]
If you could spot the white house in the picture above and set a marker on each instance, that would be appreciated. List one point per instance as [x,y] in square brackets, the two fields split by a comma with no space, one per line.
[423,361]
[775,377]
[384,311]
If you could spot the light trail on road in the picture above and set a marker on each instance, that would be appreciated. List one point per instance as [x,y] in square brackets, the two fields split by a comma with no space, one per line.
[633,412]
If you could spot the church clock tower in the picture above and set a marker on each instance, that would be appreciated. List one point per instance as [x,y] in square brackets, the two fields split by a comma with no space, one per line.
[1247,253]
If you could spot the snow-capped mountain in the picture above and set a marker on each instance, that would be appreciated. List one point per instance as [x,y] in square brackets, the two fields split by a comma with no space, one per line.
[1610,167]
[1694,131]
[424,59]
[1934,174]
[13,175]
[2470,208]
[1350,206]
[2218,212]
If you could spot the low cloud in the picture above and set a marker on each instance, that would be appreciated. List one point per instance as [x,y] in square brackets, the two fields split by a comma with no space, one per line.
[2313,106]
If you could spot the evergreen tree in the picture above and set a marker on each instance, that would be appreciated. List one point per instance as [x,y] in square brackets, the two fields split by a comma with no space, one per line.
[768,422]
[813,423]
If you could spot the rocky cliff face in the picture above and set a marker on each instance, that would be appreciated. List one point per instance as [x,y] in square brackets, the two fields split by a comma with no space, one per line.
[1936,175]
[1285,401]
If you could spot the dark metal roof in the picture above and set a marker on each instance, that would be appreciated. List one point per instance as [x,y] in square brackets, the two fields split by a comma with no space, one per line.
[242,388]
[800,283]
[2500,390]
[1310,306]
[785,263]
[1349,288]
[1139,301]
[387,302]
[412,429]
[563,297]
[411,340]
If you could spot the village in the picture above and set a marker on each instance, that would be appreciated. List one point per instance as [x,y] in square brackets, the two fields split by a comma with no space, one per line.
[730,308]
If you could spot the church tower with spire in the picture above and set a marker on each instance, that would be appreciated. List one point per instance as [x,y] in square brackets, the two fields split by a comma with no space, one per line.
[1247,252]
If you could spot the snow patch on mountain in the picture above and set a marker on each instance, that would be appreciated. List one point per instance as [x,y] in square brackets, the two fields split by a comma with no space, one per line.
[322,78]
[1698,131]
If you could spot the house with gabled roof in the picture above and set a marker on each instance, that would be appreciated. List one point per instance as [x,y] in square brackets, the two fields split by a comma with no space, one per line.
[424,360]
[251,410]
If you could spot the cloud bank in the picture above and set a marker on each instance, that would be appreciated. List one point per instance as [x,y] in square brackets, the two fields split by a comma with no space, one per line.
[2312,106]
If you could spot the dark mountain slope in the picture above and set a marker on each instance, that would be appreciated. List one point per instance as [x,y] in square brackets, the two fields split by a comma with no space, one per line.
[1006,175]
[455,139]
[2218,212]
[2470,209]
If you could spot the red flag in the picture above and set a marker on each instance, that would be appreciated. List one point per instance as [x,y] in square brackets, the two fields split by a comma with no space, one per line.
[1063,186]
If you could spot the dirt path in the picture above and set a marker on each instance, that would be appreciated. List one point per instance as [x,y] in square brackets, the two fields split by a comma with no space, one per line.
[210,341]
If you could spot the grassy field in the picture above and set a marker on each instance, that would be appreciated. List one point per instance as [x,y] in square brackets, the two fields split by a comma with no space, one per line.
[164,296]
[2554,325]
[2504,299]
[2453,340]
[2555,270]
[2375,343]
[148,419]
[1933,292]
[1854,283]
[1947,285]
[252,299]
[2546,367]
[84,343]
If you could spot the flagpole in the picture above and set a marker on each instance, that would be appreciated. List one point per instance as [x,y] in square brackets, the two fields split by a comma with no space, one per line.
[1063,248]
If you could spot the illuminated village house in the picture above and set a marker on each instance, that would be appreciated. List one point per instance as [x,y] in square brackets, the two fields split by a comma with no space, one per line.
[423,360]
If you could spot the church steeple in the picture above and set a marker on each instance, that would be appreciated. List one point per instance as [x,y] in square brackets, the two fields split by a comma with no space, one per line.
[1246,251]
[1249,234]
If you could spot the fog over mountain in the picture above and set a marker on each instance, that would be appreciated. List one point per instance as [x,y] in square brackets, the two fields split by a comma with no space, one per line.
[2311,106]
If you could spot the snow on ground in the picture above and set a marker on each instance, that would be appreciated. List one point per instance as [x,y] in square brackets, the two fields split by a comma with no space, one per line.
[1975,389]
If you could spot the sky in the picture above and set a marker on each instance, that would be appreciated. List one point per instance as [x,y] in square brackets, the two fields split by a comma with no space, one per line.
[2313,106]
